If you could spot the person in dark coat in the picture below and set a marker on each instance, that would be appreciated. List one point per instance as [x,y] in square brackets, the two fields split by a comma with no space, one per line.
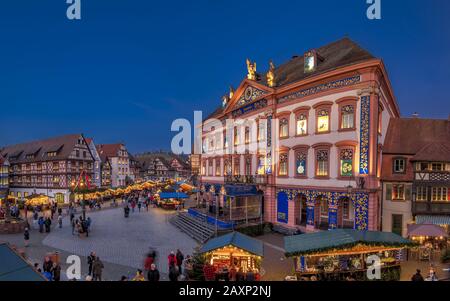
[417,276]
[179,258]
[26,236]
[173,273]
[153,273]
[48,264]
[97,269]
[90,260]
[56,271]
[48,223]
[250,276]
[240,275]
[41,224]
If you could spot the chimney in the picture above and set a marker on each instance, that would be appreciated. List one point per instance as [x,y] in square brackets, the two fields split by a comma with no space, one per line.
[294,56]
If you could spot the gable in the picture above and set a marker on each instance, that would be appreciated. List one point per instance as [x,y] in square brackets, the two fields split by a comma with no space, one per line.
[248,92]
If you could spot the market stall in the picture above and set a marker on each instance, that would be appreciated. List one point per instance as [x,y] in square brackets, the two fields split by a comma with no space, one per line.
[341,254]
[37,200]
[170,200]
[234,250]
[431,239]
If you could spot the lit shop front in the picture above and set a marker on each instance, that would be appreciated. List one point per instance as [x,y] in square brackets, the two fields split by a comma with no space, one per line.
[346,254]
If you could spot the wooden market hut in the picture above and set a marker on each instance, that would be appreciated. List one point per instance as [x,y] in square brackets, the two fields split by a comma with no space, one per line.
[341,252]
[169,200]
[234,249]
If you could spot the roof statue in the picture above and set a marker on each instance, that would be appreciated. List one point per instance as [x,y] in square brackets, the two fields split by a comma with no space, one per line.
[251,68]
[271,75]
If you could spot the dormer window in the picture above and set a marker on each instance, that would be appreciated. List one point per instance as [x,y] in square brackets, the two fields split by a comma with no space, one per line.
[310,61]
[399,165]
[51,154]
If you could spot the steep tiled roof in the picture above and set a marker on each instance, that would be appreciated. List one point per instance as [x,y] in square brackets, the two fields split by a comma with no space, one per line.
[63,145]
[338,54]
[439,151]
[108,150]
[426,138]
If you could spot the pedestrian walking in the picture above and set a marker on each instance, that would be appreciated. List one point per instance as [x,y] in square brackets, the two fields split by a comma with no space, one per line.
[417,276]
[173,273]
[60,220]
[56,271]
[97,269]
[139,276]
[179,258]
[139,206]
[47,223]
[172,259]
[74,224]
[41,224]
[153,273]
[48,264]
[90,260]
[26,237]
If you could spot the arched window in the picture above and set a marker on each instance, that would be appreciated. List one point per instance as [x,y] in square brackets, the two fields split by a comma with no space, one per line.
[347,117]
[283,166]
[323,121]
[302,125]
[284,128]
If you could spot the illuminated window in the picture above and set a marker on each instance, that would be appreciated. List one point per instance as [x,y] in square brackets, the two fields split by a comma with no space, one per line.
[218,167]
[323,121]
[204,169]
[302,125]
[437,166]
[310,62]
[248,165]
[227,167]
[283,168]
[261,165]
[421,193]
[300,163]
[284,128]
[210,168]
[346,162]
[261,131]
[439,194]
[322,163]
[247,135]
[398,192]
[347,117]
[236,136]
[237,167]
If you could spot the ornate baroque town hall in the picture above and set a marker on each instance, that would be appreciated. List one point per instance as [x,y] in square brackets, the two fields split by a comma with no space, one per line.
[321,124]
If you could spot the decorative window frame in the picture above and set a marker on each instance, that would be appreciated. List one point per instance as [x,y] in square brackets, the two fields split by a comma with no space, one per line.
[284,116]
[302,111]
[393,165]
[248,158]
[217,160]
[321,147]
[343,102]
[318,107]
[236,159]
[301,149]
[283,151]
[342,145]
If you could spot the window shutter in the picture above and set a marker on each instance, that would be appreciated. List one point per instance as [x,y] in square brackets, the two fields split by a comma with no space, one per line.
[388,192]
[408,192]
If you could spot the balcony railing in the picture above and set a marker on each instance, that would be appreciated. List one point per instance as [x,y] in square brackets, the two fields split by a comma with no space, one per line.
[428,207]
[246,179]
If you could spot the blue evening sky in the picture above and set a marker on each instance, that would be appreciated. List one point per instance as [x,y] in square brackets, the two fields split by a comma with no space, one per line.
[130,67]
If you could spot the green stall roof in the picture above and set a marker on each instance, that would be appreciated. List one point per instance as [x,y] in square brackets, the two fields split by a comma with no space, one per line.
[315,243]
[14,268]
[236,239]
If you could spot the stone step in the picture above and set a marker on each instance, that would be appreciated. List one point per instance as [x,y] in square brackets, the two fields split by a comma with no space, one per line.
[194,227]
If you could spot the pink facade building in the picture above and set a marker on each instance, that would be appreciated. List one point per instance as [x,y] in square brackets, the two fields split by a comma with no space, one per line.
[303,140]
